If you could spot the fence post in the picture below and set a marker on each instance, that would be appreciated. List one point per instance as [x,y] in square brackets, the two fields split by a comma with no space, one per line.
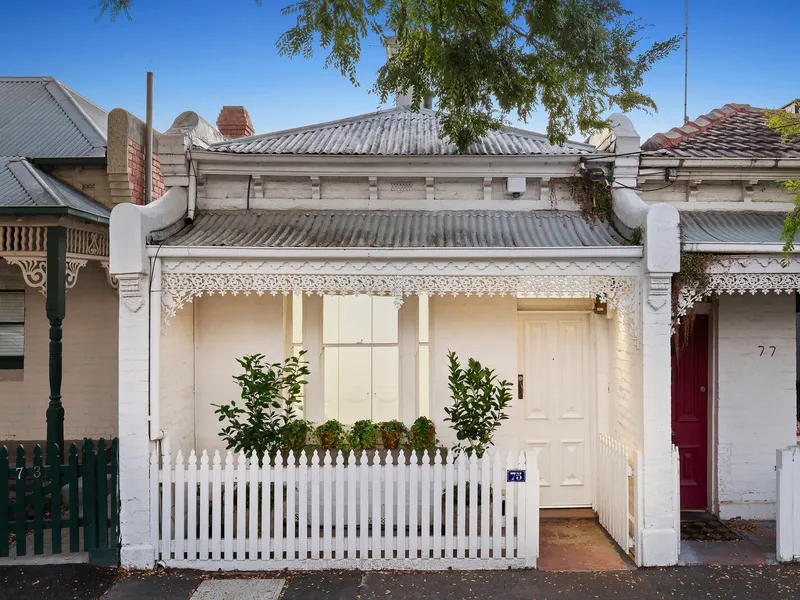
[531,510]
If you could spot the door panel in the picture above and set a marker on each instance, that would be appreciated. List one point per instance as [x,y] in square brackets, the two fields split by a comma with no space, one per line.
[690,412]
[556,425]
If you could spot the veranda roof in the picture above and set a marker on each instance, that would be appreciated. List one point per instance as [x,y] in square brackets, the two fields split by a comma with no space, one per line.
[732,227]
[390,229]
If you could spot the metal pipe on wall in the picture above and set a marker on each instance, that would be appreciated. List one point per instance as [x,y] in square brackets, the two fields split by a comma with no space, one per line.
[148,143]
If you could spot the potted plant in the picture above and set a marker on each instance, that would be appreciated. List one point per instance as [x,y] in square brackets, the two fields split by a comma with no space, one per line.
[295,436]
[422,435]
[479,401]
[364,435]
[330,435]
[392,433]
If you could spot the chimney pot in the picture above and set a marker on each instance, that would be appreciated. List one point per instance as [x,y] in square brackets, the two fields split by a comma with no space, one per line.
[234,122]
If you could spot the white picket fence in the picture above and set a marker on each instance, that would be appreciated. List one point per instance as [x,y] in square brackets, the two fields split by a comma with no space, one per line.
[406,512]
[613,504]
[788,521]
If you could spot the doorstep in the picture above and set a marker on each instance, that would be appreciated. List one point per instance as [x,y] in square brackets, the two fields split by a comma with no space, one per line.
[573,540]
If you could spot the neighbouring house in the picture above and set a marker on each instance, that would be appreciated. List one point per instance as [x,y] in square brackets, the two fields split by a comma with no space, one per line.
[64,164]
[734,388]
[374,246]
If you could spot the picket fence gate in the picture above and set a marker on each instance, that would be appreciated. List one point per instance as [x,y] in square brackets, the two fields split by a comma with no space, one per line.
[399,511]
[73,497]
[612,503]
[788,521]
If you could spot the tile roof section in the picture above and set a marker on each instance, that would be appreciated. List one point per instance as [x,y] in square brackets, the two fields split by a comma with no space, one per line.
[23,185]
[732,227]
[42,118]
[391,229]
[393,132]
[733,131]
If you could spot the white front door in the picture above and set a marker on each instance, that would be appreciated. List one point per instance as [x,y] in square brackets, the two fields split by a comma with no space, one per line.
[554,396]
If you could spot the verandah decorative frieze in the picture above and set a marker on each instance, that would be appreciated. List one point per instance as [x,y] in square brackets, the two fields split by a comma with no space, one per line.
[33,239]
[34,270]
[619,291]
[742,276]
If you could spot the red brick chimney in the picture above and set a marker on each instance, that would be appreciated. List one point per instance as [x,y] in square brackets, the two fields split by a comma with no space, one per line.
[234,122]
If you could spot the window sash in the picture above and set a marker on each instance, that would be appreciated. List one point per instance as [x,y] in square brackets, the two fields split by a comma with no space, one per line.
[12,306]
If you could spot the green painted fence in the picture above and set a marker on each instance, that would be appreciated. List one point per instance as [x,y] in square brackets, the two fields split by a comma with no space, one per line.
[52,498]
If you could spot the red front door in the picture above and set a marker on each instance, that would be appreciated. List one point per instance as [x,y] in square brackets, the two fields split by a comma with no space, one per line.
[690,413]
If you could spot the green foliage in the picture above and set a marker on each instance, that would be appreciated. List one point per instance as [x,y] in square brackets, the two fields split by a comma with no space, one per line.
[479,400]
[788,125]
[485,59]
[422,435]
[364,435]
[637,236]
[271,396]
[392,433]
[331,435]
[295,436]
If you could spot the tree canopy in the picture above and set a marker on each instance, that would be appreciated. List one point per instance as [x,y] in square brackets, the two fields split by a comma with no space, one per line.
[788,125]
[484,59]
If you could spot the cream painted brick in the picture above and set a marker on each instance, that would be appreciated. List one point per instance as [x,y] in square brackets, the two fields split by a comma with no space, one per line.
[89,386]
[227,328]
[483,328]
[756,400]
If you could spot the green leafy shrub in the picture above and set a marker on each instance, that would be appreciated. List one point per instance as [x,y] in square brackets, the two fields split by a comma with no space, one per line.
[479,400]
[364,435]
[422,435]
[270,394]
[295,436]
[330,435]
[392,433]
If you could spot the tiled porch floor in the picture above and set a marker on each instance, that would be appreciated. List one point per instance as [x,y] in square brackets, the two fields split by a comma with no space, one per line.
[757,547]
[578,543]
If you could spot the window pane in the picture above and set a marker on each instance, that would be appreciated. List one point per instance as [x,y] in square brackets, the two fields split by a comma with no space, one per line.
[424,319]
[385,383]
[384,320]
[347,384]
[12,307]
[12,340]
[346,320]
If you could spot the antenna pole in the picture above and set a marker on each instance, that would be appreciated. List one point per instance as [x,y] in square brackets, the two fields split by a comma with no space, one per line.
[686,69]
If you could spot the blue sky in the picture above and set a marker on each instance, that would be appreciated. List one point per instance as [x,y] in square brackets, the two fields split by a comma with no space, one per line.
[206,53]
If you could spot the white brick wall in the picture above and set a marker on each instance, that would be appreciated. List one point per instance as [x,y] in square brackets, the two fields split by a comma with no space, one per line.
[89,387]
[625,399]
[756,400]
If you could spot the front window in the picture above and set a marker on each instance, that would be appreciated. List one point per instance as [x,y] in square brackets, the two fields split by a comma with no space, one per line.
[12,321]
[361,358]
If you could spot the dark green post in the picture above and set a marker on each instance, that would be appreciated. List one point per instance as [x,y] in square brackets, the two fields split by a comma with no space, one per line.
[56,310]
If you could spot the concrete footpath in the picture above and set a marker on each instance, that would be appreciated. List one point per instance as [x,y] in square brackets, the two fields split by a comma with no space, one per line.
[79,582]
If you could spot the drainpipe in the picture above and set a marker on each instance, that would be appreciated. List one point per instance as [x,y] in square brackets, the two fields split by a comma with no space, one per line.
[148,143]
[192,200]
[156,433]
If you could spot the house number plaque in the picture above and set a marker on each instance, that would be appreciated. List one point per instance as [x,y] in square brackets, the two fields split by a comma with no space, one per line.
[515,476]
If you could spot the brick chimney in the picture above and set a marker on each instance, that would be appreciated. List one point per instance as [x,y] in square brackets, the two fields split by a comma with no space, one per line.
[234,122]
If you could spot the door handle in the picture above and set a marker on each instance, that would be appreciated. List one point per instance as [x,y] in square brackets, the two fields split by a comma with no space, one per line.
[520,386]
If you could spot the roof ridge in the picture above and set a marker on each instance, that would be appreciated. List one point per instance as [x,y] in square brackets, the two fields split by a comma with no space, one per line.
[26,174]
[377,114]
[701,124]
[75,113]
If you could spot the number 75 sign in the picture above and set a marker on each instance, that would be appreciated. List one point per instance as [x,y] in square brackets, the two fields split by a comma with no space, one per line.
[515,476]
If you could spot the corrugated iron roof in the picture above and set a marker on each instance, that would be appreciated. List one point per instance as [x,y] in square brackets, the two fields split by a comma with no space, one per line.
[22,185]
[391,229]
[393,132]
[733,131]
[42,118]
[732,227]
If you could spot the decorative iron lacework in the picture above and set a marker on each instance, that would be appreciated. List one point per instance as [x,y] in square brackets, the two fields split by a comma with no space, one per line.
[737,283]
[619,291]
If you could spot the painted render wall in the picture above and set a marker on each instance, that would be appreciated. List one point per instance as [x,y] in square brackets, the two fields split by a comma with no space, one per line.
[484,328]
[89,386]
[755,400]
[227,328]
[177,380]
